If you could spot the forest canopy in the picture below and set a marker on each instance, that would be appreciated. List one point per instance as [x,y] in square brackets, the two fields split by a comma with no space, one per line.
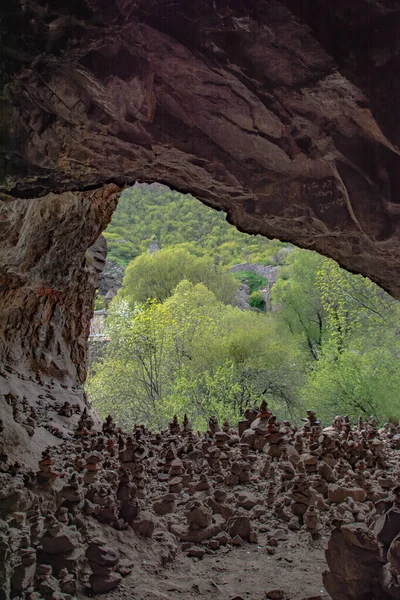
[179,220]
[156,275]
[177,344]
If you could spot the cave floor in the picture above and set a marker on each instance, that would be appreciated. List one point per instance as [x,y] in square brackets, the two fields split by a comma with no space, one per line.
[243,573]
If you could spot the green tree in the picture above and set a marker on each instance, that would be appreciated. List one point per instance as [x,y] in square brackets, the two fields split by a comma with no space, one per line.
[298,301]
[352,331]
[191,354]
[157,275]
[180,220]
[356,372]
[256,300]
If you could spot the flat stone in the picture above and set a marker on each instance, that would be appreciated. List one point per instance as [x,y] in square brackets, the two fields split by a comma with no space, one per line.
[275,594]
[338,493]
[248,500]
[196,552]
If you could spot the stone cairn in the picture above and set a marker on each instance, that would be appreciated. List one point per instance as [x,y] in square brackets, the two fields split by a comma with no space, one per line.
[196,493]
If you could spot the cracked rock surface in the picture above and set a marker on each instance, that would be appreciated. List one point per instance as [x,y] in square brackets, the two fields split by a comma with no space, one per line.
[282,113]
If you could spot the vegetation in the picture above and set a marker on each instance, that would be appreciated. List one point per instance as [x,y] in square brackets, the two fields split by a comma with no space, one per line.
[331,342]
[350,330]
[99,303]
[256,300]
[191,354]
[254,281]
[179,220]
[156,275]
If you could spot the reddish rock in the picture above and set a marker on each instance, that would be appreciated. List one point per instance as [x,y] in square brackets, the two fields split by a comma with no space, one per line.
[196,552]
[352,570]
[338,493]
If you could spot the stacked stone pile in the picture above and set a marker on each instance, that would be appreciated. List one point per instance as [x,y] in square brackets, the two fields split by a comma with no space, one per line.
[198,493]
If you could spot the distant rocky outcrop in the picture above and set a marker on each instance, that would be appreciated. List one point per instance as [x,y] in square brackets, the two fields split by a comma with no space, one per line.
[242,297]
[111,279]
[269,272]
[154,246]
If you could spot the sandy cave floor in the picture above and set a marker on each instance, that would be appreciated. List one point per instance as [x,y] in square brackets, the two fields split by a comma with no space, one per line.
[246,572]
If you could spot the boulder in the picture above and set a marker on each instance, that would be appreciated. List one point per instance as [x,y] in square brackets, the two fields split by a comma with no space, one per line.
[239,525]
[338,493]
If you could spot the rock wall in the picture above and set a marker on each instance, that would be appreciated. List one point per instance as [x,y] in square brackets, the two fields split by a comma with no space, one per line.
[267,271]
[111,278]
[284,114]
[49,269]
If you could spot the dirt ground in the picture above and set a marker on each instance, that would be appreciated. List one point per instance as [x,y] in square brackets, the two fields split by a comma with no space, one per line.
[243,573]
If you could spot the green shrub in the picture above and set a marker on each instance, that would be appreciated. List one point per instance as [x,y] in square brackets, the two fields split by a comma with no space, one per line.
[157,275]
[254,281]
[256,300]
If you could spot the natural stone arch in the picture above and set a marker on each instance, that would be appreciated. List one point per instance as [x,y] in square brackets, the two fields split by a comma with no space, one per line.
[286,121]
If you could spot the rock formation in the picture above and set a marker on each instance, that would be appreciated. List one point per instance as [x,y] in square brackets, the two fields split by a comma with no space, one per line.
[283,114]
[111,278]
[50,265]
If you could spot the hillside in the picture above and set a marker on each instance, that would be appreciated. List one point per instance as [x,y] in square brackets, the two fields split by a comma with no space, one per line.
[145,211]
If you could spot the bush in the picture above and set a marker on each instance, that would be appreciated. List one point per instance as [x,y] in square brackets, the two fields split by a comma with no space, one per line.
[256,300]
[195,355]
[157,275]
[254,281]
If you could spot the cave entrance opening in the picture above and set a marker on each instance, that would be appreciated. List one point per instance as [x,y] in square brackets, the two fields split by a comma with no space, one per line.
[278,324]
[157,239]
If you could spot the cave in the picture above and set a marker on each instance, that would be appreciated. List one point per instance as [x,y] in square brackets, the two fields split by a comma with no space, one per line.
[283,114]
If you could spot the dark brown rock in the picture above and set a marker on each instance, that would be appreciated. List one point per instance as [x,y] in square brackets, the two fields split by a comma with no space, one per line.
[196,552]
[239,525]
[352,570]
[360,535]
[387,526]
[145,524]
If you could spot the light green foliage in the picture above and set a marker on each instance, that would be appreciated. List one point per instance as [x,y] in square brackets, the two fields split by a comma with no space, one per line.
[357,372]
[352,330]
[332,342]
[191,354]
[355,383]
[254,281]
[299,301]
[256,300]
[157,275]
[181,220]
